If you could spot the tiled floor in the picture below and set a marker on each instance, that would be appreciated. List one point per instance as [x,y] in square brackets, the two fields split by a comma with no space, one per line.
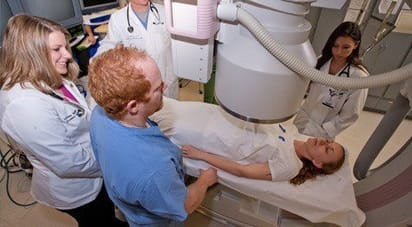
[12,215]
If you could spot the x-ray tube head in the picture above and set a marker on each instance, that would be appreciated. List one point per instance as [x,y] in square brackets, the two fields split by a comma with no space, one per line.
[250,83]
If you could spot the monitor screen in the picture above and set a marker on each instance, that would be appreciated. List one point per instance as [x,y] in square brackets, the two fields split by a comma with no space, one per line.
[65,12]
[91,6]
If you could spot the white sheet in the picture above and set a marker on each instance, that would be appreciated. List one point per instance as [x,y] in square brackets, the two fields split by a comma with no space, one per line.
[327,199]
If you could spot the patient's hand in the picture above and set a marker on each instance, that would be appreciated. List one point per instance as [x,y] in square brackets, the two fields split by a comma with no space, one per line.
[192,152]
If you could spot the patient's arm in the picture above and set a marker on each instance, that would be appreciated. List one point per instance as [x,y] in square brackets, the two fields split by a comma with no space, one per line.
[259,171]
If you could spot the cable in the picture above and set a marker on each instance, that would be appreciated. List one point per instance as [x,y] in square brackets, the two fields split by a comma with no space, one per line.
[298,66]
[231,11]
[4,163]
[2,177]
[183,83]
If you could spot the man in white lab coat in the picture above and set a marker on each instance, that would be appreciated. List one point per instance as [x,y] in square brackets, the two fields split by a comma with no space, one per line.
[142,24]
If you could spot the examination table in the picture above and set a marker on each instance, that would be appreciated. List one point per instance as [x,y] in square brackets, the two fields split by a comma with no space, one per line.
[329,199]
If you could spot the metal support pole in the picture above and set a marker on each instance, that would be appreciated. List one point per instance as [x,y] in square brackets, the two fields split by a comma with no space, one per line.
[390,122]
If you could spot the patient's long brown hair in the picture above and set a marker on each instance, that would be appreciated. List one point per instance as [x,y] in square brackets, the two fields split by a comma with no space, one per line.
[309,171]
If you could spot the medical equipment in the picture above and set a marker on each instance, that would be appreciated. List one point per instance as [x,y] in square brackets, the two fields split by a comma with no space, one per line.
[129,27]
[384,193]
[153,9]
[13,161]
[260,88]
[195,40]
[66,12]
[246,86]
[345,71]
[329,101]
[91,6]
[326,199]
[79,109]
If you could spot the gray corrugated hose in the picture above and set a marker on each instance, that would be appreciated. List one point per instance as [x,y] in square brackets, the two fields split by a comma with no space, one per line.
[301,68]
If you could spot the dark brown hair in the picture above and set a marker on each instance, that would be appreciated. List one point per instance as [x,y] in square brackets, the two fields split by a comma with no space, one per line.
[345,29]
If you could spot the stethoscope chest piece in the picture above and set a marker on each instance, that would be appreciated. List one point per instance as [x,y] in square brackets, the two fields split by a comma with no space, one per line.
[153,9]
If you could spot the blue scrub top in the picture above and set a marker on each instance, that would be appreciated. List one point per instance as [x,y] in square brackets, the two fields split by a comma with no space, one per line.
[142,169]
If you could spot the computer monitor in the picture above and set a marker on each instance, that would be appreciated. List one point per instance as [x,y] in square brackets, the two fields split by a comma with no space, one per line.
[91,6]
[65,12]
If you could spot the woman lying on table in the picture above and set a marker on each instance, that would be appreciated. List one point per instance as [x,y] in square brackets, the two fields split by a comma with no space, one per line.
[310,158]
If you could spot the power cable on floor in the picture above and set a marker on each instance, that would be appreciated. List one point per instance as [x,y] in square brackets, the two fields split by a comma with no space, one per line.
[11,165]
[184,82]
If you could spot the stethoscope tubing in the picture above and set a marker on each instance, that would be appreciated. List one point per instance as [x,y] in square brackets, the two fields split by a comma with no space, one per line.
[345,71]
[65,100]
[153,9]
[337,92]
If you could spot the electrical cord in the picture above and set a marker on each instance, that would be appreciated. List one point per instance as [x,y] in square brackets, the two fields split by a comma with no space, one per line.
[5,164]
[183,83]
[3,176]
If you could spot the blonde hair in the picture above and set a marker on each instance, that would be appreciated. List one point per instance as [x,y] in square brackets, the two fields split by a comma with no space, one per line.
[115,78]
[25,55]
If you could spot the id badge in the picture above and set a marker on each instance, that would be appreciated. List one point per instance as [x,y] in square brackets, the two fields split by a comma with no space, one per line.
[333,98]
[134,37]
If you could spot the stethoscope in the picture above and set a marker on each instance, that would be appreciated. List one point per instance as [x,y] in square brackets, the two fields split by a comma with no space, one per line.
[334,92]
[153,9]
[80,110]
[345,71]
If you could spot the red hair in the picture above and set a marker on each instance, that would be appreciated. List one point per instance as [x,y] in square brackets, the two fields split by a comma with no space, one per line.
[115,78]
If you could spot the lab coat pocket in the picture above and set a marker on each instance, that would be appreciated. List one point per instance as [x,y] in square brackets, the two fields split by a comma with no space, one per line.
[319,114]
[134,40]
[74,118]
[160,44]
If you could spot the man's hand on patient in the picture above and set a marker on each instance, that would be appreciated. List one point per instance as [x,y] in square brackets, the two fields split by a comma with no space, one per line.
[189,151]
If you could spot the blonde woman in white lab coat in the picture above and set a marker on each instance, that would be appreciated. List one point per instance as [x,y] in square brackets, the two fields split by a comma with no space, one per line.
[44,112]
[328,111]
[142,24]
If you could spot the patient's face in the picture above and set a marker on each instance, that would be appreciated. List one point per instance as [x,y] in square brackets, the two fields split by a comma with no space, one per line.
[323,150]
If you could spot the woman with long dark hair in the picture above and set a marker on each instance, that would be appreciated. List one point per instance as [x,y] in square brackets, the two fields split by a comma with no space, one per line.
[327,111]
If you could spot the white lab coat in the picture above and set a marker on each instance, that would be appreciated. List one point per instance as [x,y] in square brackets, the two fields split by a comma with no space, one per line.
[56,141]
[155,40]
[318,120]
